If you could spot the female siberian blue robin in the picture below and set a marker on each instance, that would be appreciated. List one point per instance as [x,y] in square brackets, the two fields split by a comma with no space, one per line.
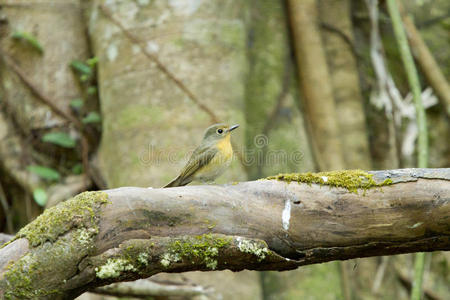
[210,159]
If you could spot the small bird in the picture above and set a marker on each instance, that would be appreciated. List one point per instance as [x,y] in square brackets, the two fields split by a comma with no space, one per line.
[210,159]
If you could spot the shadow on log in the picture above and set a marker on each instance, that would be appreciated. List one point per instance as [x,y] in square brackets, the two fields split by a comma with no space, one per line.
[124,234]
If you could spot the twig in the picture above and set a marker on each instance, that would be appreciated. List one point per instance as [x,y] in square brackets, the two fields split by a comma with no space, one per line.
[426,61]
[158,63]
[432,21]
[36,91]
[280,99]
[380,274]
[344,36]
[406,282]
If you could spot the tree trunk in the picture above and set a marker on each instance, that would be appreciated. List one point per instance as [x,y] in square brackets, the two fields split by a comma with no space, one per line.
[339,46]
[315,84]
[276,139]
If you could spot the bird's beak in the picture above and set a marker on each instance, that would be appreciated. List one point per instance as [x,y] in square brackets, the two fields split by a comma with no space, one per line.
[233,127]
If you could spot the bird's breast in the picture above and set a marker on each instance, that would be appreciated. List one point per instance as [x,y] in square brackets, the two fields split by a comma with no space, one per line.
[219,163]
[224,147]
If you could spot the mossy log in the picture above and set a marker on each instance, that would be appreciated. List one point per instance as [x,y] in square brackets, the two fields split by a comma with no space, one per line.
[128,233]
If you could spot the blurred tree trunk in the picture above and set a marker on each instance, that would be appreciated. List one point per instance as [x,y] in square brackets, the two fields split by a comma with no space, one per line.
[339,46]
[315,84]
[150,126]
[337,34]
[276,139]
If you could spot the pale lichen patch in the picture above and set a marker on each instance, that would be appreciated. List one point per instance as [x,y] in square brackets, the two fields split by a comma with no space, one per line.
[168,258]
[113,268]
[253,247]
[143,258]
[84,236]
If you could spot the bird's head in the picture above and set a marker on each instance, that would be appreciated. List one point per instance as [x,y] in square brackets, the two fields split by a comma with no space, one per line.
[218,132]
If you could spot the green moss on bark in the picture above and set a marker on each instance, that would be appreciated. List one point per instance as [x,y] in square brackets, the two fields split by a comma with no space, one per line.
[203,248]
[59,219]
[352,180]
[62,234]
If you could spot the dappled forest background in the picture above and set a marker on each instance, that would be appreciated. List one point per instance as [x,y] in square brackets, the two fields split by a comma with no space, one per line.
[102,94]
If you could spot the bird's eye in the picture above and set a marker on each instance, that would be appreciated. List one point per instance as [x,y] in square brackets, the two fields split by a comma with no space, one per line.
[219,131]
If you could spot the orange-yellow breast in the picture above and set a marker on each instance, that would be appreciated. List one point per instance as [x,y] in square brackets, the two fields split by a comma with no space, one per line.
[219,163]
[224,146]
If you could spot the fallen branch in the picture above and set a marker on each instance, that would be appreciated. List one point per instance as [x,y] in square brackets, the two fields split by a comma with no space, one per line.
[129,233]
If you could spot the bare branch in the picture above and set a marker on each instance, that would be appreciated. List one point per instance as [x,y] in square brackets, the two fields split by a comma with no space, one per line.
[145,288]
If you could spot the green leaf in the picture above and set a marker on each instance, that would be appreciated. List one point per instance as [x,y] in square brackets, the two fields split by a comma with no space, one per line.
[44,172]
[28,38]
[76,103]
[92,61]
[92,117]
[92,90]
[81,67]
[77,169]
[59,138]
[40,196]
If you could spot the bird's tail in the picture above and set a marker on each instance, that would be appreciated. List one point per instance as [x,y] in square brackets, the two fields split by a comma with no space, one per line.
[178,181]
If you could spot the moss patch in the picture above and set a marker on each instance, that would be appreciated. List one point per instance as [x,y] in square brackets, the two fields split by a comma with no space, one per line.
[55,221]
[203,248]
[48,262]
[352,180]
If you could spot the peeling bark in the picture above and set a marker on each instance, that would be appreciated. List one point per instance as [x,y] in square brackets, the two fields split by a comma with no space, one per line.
[259,225]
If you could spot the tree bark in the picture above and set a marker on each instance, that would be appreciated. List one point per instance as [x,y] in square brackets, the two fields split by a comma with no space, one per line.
[129,233]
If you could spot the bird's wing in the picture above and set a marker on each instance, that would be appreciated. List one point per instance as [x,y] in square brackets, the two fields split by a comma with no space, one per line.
[201,157]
